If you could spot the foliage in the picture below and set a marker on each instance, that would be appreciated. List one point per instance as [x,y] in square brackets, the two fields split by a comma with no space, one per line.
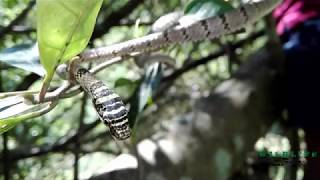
[24,56]
[63,30]
[207,8]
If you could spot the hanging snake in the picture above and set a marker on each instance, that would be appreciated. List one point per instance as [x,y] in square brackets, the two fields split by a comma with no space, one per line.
[109,105]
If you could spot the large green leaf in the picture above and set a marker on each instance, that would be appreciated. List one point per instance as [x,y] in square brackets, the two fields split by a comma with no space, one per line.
[24,56]
[203,9]
[64,29]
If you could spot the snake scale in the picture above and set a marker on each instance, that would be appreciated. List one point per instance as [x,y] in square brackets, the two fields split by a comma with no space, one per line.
[109,105]
[110,108]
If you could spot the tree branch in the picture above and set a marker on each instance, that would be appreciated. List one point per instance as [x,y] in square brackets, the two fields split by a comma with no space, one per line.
[27,81]
[77,147]
[60,145]
[195,63]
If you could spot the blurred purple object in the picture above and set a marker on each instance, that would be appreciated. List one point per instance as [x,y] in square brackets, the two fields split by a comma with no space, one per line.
[291,13]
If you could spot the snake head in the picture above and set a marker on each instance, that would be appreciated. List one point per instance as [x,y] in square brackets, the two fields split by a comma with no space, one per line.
[114,114]
[120,133]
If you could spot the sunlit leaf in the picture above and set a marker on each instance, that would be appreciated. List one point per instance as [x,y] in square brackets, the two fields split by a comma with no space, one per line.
[9,122]
[8,105]
[64,29]
[202,9]
[24,56]
[15,109]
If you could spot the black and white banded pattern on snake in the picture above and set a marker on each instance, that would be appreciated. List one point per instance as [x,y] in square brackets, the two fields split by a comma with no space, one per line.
[110,108]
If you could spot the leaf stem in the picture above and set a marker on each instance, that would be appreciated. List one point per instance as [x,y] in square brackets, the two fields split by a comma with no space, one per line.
[45,85]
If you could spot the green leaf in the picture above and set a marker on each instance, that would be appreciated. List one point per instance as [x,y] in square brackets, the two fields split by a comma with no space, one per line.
[126,87]
[15,109]
[64,29]
[144,93]
[9,122]
[123,82]
[6,125]
[203,9]
[24,56]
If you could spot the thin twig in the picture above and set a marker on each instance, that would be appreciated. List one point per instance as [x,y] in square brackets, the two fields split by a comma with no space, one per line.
[68,89]
[77,147]
[58,146]
[5,155]
[105,64]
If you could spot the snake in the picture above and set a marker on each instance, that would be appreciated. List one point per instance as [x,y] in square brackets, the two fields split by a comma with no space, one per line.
[109,106]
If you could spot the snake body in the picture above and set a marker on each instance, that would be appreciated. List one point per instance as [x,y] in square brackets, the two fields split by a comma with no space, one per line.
[109,106]
[210,28]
